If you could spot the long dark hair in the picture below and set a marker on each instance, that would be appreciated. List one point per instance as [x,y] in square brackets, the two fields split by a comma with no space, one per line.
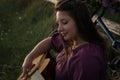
[87,31]
[79,12]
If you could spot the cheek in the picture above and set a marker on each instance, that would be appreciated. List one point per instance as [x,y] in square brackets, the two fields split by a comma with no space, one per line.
[73,30]
[70,27]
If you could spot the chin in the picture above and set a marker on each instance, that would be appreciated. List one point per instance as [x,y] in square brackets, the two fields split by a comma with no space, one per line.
[66,38]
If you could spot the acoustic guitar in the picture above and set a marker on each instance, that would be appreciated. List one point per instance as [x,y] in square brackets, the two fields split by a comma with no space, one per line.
[44,69]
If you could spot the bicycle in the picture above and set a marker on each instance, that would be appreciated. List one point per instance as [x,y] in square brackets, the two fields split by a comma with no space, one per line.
[114,65]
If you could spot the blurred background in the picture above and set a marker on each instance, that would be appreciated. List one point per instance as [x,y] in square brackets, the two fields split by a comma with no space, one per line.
[23,23]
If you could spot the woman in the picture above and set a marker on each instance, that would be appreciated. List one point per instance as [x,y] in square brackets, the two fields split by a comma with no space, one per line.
[80,47]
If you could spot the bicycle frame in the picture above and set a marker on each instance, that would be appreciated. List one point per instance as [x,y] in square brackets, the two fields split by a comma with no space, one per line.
[116,65]
[115,43]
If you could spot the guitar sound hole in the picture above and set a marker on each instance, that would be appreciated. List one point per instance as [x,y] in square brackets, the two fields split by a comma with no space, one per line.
[49,71]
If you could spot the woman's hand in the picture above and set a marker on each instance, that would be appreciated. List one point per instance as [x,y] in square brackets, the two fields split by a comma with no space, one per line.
[26,67]
[42,47]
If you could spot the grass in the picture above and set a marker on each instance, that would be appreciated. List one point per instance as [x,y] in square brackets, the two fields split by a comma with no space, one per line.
[24,28]
[23,23]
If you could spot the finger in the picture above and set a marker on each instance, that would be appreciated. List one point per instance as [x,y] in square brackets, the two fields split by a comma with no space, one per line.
[25,73]
[25,70]
[23,77]
[29,69]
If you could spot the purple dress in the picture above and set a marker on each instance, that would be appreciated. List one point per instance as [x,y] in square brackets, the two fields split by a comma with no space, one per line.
[86,62]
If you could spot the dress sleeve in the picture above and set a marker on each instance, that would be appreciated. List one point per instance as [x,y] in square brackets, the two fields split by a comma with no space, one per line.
[87,65]
[56,43]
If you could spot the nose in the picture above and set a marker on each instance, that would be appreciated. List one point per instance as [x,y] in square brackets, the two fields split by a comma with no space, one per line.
[60,28]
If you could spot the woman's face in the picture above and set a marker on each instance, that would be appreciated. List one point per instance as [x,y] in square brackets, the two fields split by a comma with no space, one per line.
[66,25]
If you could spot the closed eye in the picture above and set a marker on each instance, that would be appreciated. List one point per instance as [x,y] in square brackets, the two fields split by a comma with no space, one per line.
[64,21]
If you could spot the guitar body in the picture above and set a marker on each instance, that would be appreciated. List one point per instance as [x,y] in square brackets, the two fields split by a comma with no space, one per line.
[49,72]
[45,66]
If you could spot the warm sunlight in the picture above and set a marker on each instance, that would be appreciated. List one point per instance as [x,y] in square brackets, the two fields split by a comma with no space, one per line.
[53,1]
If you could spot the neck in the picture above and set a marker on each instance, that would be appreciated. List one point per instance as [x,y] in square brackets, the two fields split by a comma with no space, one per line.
[77,42]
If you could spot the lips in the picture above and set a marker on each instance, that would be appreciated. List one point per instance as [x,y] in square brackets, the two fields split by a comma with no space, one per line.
[64,33]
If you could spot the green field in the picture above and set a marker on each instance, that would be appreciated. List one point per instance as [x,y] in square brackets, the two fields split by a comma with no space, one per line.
[23,23]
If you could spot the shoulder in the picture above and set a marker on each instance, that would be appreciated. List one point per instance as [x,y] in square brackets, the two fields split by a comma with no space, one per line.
[87,53]
[56,42]
[88,49]
[86,60]
[55,34]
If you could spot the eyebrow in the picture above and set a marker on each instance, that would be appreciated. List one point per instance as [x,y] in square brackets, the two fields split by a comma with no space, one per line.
[61,19]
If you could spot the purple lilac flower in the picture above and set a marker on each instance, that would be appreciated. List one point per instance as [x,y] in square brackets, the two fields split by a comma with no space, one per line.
[111,4]
[108,3]
[105,3]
